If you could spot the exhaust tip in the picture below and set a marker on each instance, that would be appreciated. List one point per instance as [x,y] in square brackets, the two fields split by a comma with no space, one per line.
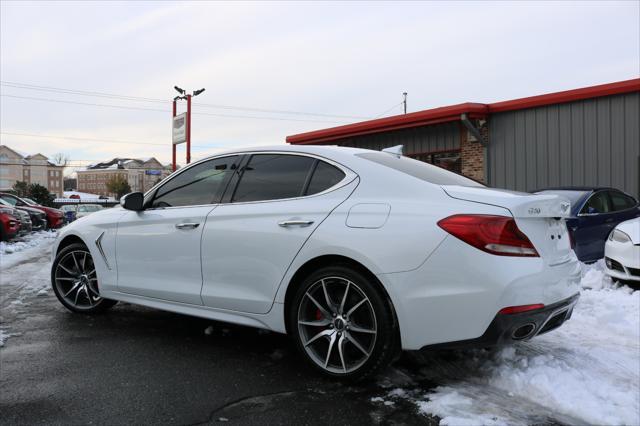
[523,331]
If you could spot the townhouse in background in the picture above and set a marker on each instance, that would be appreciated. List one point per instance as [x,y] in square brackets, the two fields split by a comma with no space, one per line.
[16,166]
[142,175]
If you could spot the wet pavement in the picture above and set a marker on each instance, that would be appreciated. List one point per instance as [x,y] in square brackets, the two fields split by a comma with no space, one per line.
[135,365]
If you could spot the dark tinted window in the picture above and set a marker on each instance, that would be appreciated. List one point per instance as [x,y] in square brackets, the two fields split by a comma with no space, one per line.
[418,169]
[598,203]
[620,201]
[201,184]
[10,200]
[324,177]
[272,177]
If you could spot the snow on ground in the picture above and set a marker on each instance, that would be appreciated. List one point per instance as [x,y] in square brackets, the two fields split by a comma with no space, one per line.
[17,250]
[587,371]
[24,274]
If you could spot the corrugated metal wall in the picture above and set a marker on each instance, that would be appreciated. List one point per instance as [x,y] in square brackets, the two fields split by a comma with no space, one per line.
[594,142]
[441,137]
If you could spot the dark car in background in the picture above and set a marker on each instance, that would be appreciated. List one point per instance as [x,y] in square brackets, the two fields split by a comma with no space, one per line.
[594,213]
[55,217]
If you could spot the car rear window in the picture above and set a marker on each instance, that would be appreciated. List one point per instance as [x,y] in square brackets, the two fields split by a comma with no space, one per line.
[419,169]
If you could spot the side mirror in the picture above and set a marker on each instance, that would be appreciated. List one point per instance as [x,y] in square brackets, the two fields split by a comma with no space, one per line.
[133,201]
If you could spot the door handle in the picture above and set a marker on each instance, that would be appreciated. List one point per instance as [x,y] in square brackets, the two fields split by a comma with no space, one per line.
[188,225]
[301,223]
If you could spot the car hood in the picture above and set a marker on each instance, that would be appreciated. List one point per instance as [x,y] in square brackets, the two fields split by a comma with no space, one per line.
[631,228]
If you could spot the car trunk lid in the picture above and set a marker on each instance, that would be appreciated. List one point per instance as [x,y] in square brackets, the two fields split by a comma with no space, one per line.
[540,217]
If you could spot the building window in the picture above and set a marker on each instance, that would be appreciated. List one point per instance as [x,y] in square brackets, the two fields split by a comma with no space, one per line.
[448,160]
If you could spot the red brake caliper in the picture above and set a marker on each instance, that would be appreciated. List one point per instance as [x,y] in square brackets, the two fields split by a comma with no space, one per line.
[318,315]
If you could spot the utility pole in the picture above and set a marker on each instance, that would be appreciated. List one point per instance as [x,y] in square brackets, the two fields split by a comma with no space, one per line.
[187,97]
[404,102]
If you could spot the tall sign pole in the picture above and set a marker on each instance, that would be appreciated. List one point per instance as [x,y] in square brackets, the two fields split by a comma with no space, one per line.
[188,129]
[181,124]
[173,145]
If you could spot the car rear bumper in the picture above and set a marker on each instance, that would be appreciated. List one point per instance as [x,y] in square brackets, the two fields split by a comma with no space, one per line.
[510,328]
[456,294]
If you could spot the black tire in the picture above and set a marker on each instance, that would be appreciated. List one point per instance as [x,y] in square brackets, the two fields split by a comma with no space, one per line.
[372,324]
[73,276]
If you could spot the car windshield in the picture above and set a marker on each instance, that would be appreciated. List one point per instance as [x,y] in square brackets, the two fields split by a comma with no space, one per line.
[30,201]
[4,203]
[572,195]
[419,169]
[68,208]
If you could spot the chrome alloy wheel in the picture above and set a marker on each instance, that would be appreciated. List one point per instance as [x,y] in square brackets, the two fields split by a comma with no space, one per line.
[76,280]
[337,325]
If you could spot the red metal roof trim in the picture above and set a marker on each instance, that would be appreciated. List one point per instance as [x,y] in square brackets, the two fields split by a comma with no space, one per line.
[452,113]
[568,96]
[414,119]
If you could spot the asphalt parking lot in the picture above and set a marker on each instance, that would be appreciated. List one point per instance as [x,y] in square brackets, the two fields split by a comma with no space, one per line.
[135,365]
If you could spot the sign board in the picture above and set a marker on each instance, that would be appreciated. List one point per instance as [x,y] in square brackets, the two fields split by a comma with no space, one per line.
[179,129]
[153,172]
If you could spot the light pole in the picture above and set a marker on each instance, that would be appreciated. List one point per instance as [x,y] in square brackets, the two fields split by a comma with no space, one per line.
[404,94]
[187,97]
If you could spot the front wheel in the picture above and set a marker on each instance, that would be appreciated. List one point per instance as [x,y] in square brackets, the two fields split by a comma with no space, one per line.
[75,281]
[343,324]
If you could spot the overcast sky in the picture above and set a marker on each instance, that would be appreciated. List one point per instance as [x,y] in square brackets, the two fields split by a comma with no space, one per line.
[337,59]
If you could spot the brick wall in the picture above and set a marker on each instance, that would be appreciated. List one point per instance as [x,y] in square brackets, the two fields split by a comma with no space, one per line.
[472,154]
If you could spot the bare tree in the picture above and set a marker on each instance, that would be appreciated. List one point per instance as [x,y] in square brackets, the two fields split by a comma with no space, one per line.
[60,159]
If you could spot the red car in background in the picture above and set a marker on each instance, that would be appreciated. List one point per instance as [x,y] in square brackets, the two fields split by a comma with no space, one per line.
[55,217]
[9,224]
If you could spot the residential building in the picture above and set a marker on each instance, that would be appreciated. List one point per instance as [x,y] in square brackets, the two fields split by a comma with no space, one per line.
[142,175]
[16,166]
[582,137]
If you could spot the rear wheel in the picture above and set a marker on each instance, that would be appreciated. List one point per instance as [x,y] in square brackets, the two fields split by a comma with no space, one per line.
[75,281]
[343,324]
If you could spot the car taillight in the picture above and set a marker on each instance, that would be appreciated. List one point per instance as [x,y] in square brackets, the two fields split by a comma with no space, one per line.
[497,235]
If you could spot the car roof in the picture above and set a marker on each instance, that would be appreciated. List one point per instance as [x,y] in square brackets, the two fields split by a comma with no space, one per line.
[321,150]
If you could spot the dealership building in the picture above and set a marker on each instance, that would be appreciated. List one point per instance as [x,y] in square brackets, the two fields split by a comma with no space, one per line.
[582,137]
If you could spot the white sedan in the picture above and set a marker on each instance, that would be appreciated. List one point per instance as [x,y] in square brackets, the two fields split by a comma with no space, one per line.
[622,251]
[356,254]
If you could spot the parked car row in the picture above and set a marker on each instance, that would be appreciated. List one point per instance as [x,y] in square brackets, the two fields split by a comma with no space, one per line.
[604,222]
[19,216]
[77,211]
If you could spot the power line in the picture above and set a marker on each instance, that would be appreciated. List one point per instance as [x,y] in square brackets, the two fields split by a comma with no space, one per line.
[79,139]
[393,107]
[61,90]
[164,110]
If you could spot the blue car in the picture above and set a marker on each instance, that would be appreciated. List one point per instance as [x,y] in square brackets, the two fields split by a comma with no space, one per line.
[594,214]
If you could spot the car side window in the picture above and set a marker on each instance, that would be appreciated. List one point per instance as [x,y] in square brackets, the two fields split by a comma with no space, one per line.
[200,184]
[10,200]
[273,177]
[598,203]
[324,177]
[620,201]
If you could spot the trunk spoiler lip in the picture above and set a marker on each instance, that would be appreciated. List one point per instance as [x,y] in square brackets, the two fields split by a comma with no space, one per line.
[534,206]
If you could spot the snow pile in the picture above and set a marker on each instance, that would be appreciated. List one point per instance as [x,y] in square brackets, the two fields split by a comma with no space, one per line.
[82,195]
[28,241]
[587,371]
